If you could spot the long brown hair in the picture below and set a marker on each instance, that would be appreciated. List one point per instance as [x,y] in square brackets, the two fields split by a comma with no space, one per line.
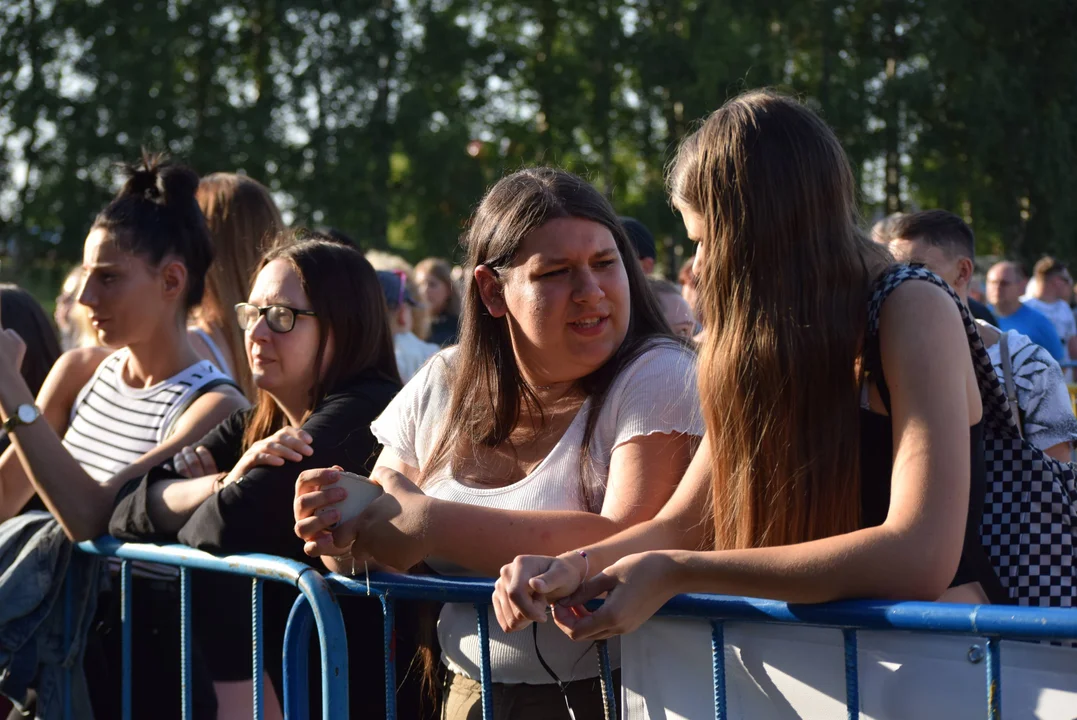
[783,293]
[487,389]
[347,301]
[243,220]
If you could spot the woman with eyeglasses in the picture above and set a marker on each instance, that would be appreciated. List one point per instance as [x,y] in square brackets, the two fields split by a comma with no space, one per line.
[320,353]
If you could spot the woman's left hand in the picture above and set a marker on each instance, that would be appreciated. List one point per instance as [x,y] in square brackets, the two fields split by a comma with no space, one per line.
[392,529]
[12,350]
[638,585]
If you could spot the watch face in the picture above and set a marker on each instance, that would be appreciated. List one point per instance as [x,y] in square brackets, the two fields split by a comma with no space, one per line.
[27,413]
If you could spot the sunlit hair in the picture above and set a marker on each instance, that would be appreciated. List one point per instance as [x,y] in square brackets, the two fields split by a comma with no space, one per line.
[243,220]
[783,293]
[347,301]
[488,391]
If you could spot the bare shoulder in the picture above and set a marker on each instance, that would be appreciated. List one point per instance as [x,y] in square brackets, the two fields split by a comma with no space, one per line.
[208,411]
[68,376]
[922,309]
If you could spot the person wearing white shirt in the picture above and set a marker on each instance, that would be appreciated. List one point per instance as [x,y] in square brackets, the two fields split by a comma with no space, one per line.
[1049,295]
[411,352]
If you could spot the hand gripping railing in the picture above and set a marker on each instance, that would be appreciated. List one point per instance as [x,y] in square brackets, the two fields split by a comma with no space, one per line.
[316,605]
[994,622]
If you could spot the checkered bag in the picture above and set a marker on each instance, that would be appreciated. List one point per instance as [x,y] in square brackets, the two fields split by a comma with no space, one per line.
[1030,519]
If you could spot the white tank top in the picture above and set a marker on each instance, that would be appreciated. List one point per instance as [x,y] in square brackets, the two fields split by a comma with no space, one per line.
[113,424]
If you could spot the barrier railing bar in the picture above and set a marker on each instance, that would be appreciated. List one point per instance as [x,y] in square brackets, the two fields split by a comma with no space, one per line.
[994,679]
[605,674]
[388,615]
[258,663]
[185,643]
[1008,621]
[718,668]
[484,665]
[852,676]
[296,666]
[126,620]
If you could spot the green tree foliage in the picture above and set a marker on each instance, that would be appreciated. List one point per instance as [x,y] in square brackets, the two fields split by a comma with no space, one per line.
[389,118]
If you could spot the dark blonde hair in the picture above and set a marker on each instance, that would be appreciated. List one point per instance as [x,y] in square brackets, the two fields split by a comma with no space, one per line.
[783,292]
[442,270]
[243,220]
[347,301]
[487,389]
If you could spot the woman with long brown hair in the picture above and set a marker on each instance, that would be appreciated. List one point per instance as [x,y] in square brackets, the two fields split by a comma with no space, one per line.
[434,278]
[243,221]
[569,417]
[837,464]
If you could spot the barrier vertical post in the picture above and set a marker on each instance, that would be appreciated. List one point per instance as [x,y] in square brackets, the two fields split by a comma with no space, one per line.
[296,665]
[484,666]
[126,620]
[852,676]
[388,615]
[605,673]
[718,668]
[185,642]
[258,660]
[994,678]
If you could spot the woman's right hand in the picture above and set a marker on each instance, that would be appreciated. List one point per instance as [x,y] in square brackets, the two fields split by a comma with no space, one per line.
[194,462]
[530,583]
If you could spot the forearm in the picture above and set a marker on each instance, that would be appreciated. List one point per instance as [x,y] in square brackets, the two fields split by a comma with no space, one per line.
[171,502]
[483,539]
[654,534]
[15,487]
[870,563]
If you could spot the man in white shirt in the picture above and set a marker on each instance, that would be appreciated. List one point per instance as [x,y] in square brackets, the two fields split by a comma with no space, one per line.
[1049,295]
[943,243]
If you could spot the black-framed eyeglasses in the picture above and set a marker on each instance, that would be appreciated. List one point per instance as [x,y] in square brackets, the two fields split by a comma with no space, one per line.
[279,318]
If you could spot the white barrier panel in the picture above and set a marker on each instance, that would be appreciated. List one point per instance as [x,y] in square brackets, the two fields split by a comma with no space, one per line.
[783,672]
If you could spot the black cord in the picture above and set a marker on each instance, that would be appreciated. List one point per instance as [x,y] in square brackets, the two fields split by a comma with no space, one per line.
[561,685]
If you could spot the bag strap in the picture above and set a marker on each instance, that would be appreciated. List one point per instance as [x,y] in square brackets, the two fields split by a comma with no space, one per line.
[1007,379]
[998,418]
[190,400]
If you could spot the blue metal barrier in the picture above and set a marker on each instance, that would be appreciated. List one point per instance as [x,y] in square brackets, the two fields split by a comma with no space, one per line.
[995,622]
[319,605]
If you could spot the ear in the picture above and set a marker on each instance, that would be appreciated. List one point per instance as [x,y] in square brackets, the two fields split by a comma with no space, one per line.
[491,291]
[965,269]
[173,278]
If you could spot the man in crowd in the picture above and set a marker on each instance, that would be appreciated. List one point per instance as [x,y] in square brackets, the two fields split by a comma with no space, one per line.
[945,245]
[1050,295]
[1004,283]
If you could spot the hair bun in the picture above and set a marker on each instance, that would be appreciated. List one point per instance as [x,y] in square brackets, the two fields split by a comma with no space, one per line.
[160,181]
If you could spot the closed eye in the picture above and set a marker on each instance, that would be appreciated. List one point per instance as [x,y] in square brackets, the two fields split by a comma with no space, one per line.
[554,273]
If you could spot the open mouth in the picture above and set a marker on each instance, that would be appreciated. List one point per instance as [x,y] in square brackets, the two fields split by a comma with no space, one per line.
[589,326]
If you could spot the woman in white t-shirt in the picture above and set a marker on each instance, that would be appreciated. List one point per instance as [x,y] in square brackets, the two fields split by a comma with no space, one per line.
[567,412]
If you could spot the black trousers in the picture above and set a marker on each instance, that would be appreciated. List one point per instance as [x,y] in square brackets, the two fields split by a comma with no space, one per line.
[155,649]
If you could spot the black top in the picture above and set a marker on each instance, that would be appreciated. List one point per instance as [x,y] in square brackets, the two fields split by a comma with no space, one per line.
[443,330]
[255,513]
[982,312]
[876,470]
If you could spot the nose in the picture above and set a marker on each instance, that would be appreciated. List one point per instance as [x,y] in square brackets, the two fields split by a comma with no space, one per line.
[259,332]
[85,295]
[587,289]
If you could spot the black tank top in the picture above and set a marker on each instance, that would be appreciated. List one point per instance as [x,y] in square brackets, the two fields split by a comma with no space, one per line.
[876,468]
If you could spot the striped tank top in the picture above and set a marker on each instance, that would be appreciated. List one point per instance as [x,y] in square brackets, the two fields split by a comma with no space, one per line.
[113,424]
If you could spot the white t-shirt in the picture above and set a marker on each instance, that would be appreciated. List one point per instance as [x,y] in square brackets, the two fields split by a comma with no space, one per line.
[655,394]
[411,353]
[1059,313]
[1044,400]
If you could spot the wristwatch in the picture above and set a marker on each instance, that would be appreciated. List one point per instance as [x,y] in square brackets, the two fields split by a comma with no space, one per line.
[24,414]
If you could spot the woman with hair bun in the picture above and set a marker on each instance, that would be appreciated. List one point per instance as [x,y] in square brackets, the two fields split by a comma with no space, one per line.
[104,417]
